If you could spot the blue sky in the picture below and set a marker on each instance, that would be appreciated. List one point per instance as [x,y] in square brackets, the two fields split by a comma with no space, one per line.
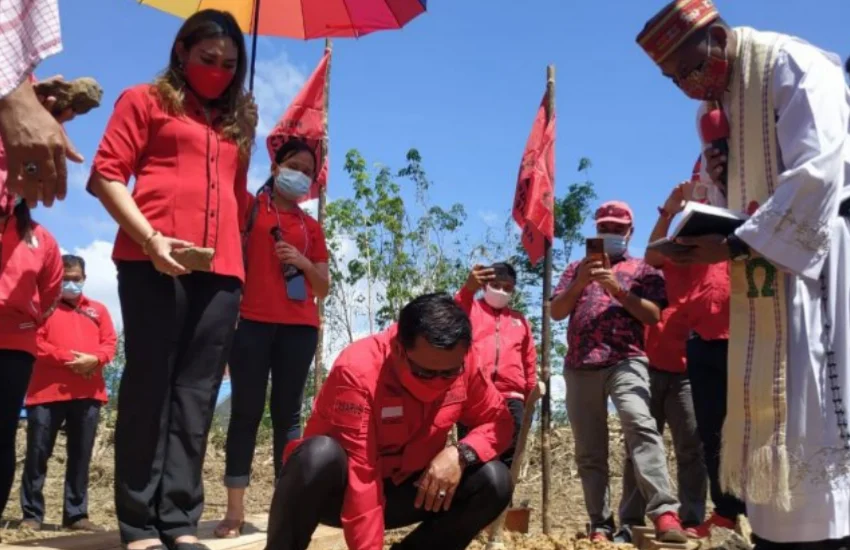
[461,83]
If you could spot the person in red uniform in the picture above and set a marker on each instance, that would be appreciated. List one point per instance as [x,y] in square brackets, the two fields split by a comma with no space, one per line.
[374,452]
[671,402]
[186,139]
[279,319]
[705,309]
[30,285]
[67,387]
[502,339]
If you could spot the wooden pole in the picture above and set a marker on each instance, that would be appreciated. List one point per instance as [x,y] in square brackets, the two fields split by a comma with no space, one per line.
[546,344]
[255,28]
[320,348]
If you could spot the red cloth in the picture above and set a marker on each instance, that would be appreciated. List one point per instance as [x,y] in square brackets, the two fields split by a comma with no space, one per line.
[389,435]
[85,328]
[666,341]
[673,25]
[707,304]
[30,285]
[504,345]
[533,209]
[190,182]
[264,296]
[306,118]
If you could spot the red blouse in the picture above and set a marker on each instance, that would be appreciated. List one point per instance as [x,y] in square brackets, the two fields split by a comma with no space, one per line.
[190,183]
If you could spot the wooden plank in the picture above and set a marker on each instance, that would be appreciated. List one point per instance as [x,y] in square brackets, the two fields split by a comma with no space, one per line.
[253,538]
[641,534]
[654,544]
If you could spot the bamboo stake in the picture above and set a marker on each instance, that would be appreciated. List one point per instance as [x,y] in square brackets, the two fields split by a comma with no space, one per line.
[318,363]
[546,409]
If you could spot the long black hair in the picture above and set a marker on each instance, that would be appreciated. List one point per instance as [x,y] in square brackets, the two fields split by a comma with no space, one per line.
[23,219]
[290,148]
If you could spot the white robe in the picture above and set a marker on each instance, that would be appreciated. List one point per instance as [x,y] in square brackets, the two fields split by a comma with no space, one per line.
[813,120]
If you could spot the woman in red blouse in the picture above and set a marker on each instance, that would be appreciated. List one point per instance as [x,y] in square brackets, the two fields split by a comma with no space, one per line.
[186,139]
[287,268]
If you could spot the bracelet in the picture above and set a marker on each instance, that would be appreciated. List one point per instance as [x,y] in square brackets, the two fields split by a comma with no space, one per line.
[664,213]
[147,242]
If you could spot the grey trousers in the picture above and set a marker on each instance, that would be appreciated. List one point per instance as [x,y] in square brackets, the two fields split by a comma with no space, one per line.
[627,384]
[671,403]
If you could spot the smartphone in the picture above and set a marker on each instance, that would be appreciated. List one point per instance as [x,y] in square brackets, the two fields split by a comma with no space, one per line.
[596,250]
[296,286]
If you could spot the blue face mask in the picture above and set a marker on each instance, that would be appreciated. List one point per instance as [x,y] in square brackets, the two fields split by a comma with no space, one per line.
[615,245]
[292,184]
[71,290]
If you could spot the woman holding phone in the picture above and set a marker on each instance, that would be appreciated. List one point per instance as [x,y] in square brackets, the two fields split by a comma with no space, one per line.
[287,269]
[186,138]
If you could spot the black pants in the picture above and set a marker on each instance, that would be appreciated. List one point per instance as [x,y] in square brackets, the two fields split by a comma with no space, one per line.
[842,544]
[80,417]
[517,408]
[313,482]
[707,370]
[15,371]
[259,348]
[178,333]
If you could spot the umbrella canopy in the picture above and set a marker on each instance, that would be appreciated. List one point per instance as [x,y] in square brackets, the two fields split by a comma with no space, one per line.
[305,19]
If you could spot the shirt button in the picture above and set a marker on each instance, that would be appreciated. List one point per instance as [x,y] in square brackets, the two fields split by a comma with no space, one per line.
[212,214]
[212,159]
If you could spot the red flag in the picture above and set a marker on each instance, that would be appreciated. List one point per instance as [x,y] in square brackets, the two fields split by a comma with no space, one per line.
[306,118]
[535,188]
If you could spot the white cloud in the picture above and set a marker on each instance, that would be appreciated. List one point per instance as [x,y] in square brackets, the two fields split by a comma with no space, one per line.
[276,82]
[488,217]
[78,175]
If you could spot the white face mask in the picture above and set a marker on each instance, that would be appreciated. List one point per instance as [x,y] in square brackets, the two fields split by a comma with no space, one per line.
[496,298]
[615,245]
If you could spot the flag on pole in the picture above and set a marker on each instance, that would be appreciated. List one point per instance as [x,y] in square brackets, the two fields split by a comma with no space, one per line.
[535,189]
[305,119]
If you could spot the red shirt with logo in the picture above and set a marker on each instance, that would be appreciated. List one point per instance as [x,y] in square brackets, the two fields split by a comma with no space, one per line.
[190,182]
[86,328]
[388,435]
[31,274]
[601,333]
[264,297]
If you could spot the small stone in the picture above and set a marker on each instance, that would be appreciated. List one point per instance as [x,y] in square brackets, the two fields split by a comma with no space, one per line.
[80,95]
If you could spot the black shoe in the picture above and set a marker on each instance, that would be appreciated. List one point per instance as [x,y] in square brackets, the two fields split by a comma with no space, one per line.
[623,535]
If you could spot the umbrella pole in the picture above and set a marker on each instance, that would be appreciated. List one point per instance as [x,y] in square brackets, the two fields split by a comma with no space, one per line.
[254,28]
[318,363]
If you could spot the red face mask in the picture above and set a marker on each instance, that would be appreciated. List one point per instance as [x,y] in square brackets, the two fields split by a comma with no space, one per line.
[207,81]
[709,81]
[425,390]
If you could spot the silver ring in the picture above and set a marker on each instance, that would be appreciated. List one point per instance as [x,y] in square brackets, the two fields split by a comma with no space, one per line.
[441,494]
[31,168]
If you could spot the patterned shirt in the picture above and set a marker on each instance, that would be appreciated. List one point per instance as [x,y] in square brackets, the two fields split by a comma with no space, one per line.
[601,332]
[29,33]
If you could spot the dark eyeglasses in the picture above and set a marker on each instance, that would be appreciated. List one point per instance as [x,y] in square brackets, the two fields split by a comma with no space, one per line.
[430,374]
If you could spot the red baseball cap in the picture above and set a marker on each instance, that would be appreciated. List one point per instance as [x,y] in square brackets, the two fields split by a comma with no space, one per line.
[614,212]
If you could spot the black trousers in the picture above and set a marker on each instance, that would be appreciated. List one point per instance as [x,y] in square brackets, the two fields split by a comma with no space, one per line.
[178,333]
[841,544]
[707,369]
[80,417]
[313,482]
[517,409]
[259,348]
[15,371]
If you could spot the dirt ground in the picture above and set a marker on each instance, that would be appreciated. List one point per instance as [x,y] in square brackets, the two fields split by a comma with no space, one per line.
[566,509]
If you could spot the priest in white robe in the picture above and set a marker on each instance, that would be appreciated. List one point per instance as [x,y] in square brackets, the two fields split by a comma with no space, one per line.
[786,444]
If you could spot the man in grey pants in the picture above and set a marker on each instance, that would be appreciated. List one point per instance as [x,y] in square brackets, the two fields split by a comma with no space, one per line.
[610,300]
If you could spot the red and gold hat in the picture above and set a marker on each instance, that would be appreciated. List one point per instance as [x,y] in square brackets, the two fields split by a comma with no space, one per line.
[673,25]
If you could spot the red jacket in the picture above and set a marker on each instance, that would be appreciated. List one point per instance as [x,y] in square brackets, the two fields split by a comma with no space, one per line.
[389,435]
[503,344]
[30,285]
[86,328]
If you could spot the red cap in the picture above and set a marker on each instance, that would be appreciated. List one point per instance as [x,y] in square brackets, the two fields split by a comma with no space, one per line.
[614,212]
[714,125]
[673,25]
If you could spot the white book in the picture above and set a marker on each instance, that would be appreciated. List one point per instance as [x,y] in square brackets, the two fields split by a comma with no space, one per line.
[699,219]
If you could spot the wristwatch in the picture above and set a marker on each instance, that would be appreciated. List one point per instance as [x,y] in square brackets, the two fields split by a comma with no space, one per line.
[466,455]
[738,249]
[664,213]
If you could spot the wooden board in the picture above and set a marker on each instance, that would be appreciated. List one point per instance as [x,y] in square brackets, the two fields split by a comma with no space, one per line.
[644,538]
[253,538]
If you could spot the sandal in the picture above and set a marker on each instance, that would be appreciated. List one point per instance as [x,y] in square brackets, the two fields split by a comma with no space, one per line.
[229,528]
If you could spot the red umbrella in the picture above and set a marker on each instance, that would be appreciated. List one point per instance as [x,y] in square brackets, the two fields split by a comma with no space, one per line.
[304,19]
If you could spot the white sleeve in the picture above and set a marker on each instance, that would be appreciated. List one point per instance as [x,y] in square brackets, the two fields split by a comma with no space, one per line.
[29,33]
[791,229]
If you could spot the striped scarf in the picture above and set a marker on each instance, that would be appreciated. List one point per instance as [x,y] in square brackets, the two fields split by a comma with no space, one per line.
[754,460]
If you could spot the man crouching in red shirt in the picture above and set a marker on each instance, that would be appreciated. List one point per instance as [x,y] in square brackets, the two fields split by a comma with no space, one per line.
[374,452]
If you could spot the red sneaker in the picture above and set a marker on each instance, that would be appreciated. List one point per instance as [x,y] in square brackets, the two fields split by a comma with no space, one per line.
[598,536]
[703,531]
[668,528]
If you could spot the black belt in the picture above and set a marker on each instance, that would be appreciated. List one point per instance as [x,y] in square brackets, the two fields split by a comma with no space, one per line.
[844,209]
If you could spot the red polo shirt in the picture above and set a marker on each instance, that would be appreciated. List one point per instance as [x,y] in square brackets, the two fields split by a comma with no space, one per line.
[264,297]
[707,305]
[190,182]
[666,341]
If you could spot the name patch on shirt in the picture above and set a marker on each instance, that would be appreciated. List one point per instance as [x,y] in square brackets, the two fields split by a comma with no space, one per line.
[455,395]
[349,408]
[390,413]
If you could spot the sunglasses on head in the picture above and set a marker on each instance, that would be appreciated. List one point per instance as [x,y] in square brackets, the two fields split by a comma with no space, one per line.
[430,374]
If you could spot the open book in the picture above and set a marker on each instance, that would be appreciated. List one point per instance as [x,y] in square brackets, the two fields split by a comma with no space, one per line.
[698,220]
